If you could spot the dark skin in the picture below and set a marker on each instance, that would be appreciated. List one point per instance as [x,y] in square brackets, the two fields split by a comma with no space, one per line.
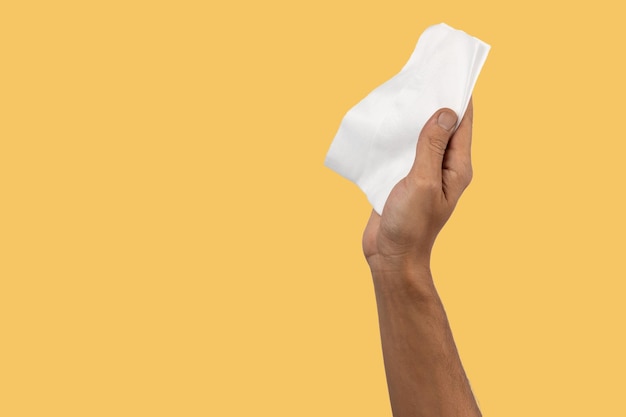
[425,376]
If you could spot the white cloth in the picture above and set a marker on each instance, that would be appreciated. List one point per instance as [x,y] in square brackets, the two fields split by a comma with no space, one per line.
[376,142]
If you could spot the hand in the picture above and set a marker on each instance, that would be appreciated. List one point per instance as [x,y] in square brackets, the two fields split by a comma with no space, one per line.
[421,203]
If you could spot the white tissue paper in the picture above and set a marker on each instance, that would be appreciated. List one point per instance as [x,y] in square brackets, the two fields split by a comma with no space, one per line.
[376,142]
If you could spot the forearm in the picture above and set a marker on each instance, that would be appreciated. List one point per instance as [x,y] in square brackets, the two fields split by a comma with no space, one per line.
[424,372]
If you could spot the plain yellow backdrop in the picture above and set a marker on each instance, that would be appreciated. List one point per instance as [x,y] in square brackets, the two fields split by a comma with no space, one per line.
[172,245]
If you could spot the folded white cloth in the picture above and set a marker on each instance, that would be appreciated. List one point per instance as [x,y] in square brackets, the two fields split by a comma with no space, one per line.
[376,142]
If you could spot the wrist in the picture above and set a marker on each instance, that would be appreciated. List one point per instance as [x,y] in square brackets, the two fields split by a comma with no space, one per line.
[404,276]
[382,264]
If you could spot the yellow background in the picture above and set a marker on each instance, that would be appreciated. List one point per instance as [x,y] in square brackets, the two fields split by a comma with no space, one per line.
[171,243]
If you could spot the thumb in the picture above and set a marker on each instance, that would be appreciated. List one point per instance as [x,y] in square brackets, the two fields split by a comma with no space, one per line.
[432,144]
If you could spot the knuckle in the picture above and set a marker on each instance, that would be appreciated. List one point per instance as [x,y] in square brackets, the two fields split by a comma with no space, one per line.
[426,183]
[438,144]
[467,176]
[463,183]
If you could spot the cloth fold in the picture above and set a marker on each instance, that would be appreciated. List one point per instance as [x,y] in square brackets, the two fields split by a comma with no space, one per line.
[376,141]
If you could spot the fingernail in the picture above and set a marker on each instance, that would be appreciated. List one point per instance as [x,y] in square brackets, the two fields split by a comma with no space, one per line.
[447,119]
